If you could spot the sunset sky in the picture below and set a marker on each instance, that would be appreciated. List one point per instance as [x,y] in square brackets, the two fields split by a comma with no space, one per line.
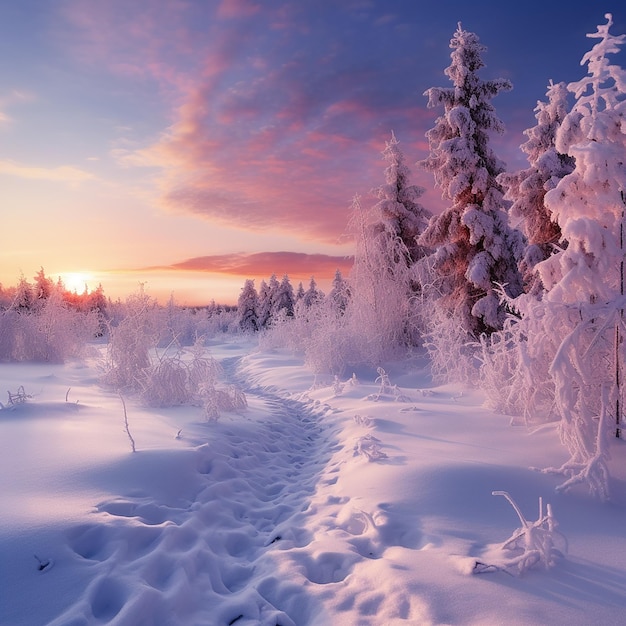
[190,144]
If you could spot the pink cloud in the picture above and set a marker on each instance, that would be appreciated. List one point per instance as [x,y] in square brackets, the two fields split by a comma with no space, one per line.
[298,265]
[237,8]
[270,129]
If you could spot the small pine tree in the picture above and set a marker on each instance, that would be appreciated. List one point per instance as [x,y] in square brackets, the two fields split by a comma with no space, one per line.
[43,286]
[398,214]
[299,292]
[24,296]
[474,247]
[312,295]
[339,295]
[379,310]
[283,300]
[247,307]
[264,307]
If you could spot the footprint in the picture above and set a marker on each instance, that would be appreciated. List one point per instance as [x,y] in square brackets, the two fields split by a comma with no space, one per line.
[91,541]
[107,599]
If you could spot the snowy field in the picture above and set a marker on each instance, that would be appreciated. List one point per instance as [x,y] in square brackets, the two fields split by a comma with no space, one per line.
[321,504]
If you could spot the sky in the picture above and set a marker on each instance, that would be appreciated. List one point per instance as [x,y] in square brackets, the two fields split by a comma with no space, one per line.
[189,145]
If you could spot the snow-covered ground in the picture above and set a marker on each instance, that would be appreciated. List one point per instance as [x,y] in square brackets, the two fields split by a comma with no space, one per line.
[321,504]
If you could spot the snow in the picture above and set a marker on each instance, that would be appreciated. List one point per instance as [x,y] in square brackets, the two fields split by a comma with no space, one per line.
[324,502]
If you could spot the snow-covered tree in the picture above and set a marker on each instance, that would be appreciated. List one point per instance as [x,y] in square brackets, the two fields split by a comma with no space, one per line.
[247,307]
[527,188]
[585,281]
[24,295]
[474,247]
[574,335]
[312,295]
[268,299]
[339,295]
[587,204]
[264,307]
[380,306]
[399,218]
[282,299]
[43,286]
[299,292]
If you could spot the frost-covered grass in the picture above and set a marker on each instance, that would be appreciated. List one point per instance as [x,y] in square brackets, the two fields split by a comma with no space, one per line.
[327,501]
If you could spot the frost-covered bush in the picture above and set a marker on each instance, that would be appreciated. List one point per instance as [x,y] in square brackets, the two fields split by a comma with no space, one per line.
[515,362]
[190,377]
[50,331]
[130,343]
[380,316]
[453,355]
[318,332]
[169,376]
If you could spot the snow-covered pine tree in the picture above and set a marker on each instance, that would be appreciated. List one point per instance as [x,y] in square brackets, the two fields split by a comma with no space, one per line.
[527,188]
[312,295]
[283,299]
[474,247]
[43,286]
[247,307]
[339,295]
[299,292]
[399,218]
[268,293]
[585,301]
[264,308]
[25,297]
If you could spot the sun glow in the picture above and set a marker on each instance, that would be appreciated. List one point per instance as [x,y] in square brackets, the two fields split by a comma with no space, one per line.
[76,281]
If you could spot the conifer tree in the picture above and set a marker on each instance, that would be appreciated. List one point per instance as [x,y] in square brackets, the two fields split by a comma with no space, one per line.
[339,295]
[267,308]
[43,286]
[25,298]
[312,295]
[398,217]
[299,292]
[527,188]
[474,247]
[247,306]
[283,299]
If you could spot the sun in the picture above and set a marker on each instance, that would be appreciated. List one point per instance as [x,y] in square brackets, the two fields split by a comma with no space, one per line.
[76,281]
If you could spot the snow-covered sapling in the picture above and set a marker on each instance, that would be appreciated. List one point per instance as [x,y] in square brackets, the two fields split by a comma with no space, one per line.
[537,543]
[369,447]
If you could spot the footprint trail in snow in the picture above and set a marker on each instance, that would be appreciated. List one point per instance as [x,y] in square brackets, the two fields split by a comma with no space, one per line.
[220,556]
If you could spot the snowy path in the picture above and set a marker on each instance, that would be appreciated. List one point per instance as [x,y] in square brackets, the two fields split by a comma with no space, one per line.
[317,505]
[213,559]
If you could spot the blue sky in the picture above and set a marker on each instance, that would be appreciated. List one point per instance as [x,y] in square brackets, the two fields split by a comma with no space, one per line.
[189,144]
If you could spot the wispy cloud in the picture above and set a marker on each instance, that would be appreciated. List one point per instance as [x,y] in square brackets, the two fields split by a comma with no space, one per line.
[63,173]
[298,265]
[275,123]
